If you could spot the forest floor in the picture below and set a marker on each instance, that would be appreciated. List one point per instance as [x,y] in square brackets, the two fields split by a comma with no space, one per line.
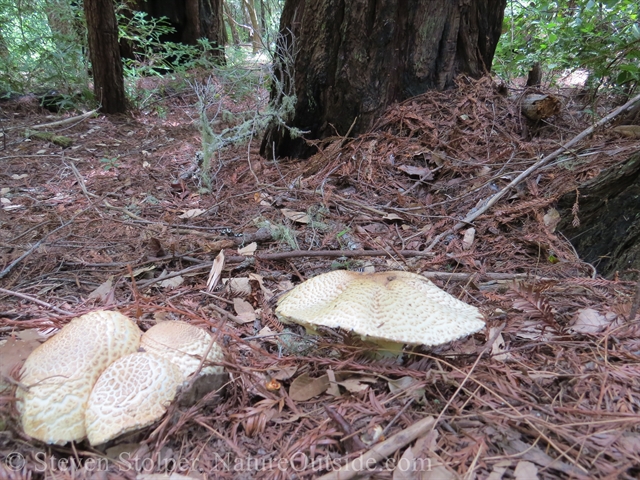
[119,220]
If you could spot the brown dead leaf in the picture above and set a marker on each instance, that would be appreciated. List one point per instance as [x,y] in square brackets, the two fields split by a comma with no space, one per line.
[249,250]
[423,172]
[525,471]
[244,310]
[104,292]
[304,387]
[590,321]
[357,384]
[299,217]
[216,271]
[283,373]
[15,350]
[333,389]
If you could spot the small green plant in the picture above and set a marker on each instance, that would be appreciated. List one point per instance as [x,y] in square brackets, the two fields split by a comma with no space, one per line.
[109,163]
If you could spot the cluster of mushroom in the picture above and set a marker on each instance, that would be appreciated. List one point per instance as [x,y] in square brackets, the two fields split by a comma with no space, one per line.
[390,308]
[100,376]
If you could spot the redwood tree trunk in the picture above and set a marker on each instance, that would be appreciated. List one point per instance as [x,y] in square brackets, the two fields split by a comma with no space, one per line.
[104,51]
[356,57]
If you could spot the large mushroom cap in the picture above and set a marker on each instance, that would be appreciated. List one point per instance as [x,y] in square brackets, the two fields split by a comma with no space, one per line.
[399,307]
[132,393]
[184,345]
[61,372]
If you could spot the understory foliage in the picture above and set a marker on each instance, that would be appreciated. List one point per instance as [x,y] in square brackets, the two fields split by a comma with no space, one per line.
[602,38]
[244,76]
[42,47]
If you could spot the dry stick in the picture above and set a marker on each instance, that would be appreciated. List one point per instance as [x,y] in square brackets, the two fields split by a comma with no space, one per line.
[35,300]
[79,118]
[368,460]
[473,214]
[4,272]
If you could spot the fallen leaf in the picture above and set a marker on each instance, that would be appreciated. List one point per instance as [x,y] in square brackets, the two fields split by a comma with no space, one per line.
[172,282]
[423,172]
[304,387]
[15,176]
[591,321]
[392,216]
[551,219]
[498,347]
[239,286]
[437,472]
[244,310]
[406,468]
[467,240]
[249,250]
[333,389]
[400,384]
[139,271]
[300,217]
[499,470]
[525,471]
[268,294]
[216,271]
[15,350]
[194,212]
[357,384]
[103,292]
[283,373]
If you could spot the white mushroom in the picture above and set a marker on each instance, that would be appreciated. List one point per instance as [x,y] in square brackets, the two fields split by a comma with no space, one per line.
[184,345]
[60,374]
[398,307]
[132,393]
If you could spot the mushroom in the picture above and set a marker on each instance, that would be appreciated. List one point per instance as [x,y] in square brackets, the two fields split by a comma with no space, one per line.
[399,307]
[58,375]
[184,345]
[132,393]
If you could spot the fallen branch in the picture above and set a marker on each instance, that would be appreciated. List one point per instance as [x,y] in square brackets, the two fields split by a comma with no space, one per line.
[473,214]
[78,118]
[35,300]
[368,460]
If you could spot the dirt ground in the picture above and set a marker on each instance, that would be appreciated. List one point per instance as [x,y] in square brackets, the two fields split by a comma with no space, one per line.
[119,220]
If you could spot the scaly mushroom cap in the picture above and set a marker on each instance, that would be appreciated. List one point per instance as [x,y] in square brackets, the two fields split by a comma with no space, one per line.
[132,393]
[184,345]
[61,372]
[399,307]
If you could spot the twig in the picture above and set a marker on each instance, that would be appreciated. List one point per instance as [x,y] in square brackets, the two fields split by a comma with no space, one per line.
[79,118]
[368,460]
[35,300]
[4,272]
[222,311]
[473,214]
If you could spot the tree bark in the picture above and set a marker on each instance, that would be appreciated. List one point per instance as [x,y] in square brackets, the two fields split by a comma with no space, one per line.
[104,52]
[192,19]
[603,223]
[357,57]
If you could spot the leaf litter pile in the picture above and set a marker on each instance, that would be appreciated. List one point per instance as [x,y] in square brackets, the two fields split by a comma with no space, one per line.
[120,221]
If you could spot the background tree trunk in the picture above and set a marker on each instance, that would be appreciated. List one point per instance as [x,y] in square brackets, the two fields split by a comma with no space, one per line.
[356,57]
[232,25]
[256,42]
[104,52]
[192,19]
